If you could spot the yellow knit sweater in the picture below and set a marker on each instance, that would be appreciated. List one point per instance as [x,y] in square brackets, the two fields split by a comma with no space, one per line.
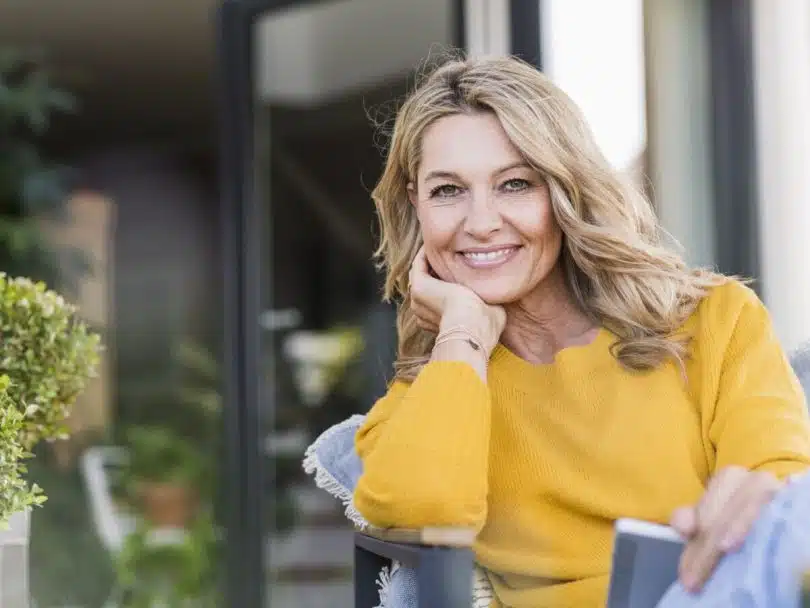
[543,458]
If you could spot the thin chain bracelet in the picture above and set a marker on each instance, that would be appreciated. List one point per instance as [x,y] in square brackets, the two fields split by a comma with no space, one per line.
[459,333]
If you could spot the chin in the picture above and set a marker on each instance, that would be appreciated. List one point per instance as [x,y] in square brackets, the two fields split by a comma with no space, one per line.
[497,295]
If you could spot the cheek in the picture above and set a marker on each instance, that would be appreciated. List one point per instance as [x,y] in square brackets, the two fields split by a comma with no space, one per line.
[536,224]
[438,231]
[437,227]
[437,235]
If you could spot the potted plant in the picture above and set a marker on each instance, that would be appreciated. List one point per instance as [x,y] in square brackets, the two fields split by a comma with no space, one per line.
[163,475]
[48,354]
[175,571]
[16,494]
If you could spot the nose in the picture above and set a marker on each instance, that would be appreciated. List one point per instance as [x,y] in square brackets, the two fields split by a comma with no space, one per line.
[483,218]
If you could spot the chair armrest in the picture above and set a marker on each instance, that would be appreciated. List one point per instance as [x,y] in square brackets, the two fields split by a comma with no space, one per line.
[442,559]
[462,538]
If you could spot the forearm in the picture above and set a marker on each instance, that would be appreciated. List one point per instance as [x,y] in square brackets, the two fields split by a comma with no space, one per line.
[429,465]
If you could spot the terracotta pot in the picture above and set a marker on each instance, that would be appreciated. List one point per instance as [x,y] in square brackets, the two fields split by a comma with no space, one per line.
[167,504]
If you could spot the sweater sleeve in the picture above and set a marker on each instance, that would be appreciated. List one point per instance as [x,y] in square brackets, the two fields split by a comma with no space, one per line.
[425,451]
[760,420]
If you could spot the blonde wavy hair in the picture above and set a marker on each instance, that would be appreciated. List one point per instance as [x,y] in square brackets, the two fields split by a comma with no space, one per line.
[615,263]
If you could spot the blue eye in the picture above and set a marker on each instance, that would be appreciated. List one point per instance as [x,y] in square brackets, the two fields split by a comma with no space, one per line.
[445,190]
[515,185]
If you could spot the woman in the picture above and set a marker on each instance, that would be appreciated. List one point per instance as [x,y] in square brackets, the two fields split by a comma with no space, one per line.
[558,366]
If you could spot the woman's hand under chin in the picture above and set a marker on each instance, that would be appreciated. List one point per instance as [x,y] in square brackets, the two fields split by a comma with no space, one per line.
[441,306]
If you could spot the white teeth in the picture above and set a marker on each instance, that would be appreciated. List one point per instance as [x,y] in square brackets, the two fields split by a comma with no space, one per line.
[487,256]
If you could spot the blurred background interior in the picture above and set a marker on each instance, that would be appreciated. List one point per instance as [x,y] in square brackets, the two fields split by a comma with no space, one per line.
[704,101]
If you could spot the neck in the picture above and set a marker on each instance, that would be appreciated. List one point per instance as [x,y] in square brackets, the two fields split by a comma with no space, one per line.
[547,321]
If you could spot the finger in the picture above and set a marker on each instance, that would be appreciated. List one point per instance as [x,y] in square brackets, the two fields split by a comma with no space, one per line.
[425,317]
[720,490]
[736,531]
[424,311]
[745,507]
[700,557]
[426,325]
[684,521]
[703,552]
[421,280]
[729,532]
[420,263]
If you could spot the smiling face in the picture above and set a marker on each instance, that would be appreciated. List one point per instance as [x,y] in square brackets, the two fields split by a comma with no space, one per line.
[485,214]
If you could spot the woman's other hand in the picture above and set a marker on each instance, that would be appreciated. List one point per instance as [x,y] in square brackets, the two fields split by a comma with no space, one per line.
[721,521]
[439,305]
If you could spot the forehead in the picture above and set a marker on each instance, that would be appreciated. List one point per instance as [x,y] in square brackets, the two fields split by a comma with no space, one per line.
[464,143]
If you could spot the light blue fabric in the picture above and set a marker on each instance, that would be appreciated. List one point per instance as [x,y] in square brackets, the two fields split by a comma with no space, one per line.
[766,572]
[801,365]
[336,466]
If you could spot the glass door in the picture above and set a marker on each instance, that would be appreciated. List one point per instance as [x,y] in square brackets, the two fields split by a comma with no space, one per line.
[308,341]
[328,341]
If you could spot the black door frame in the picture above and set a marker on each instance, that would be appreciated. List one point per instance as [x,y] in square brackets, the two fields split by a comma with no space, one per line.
[525,36]
[736,193]
[244,473]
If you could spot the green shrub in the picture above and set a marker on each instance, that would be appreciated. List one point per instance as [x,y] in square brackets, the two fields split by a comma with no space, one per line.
[15,493]
[48,354]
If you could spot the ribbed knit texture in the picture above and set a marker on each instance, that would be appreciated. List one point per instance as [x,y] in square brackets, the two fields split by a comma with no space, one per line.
[544,458]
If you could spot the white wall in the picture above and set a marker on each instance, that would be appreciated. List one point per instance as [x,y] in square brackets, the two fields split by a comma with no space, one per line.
[316,51]
[782,98]
[594,50]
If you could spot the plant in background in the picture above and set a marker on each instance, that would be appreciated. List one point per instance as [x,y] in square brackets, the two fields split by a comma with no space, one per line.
[47,352]
[163,475]
[174,568]
[31,187]
[199,396]
[15,493]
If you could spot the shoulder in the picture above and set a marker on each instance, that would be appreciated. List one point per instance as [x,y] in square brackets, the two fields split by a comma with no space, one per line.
[728,303]
[731,310]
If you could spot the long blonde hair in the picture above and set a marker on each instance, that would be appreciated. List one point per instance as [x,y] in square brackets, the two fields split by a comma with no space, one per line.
[614,261]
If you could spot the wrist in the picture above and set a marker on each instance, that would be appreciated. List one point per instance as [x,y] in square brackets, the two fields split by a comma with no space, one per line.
[459,349]
[466,329]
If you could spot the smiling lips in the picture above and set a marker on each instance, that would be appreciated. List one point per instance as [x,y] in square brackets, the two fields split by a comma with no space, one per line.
[488,258]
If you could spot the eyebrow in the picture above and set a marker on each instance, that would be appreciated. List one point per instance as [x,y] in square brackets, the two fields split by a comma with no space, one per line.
[452,175]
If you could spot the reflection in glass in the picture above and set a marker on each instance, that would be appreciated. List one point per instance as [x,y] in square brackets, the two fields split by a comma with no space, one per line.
[322,70]
[129,518]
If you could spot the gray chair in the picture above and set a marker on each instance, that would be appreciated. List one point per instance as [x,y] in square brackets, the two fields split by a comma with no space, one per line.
[442,559]
[800,360]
